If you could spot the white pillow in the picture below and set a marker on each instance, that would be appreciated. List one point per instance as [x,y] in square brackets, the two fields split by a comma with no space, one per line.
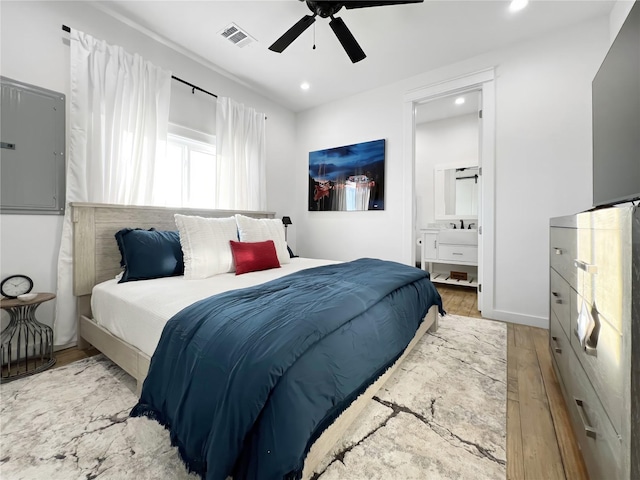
[205,245]
[262,229]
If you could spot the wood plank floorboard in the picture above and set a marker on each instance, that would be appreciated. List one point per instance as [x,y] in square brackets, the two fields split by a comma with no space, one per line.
[512,368]
[70,355]
[515,457]
[541,452]
[574,466]
[523,337]
[540,442]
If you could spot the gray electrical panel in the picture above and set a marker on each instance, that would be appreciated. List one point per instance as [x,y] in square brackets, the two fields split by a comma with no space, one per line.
[32,149]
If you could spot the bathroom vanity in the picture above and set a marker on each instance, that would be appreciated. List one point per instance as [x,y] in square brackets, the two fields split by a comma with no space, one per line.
[450,254]
[447,250]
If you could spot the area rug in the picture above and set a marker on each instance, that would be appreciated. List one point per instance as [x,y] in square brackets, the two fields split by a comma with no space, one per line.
[442,415]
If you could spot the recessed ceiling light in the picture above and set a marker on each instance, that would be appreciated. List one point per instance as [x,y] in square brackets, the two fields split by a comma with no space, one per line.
[459,100]
[305,86]
[517,5]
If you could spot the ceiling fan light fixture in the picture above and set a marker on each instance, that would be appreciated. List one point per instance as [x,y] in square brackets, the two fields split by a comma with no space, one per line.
[327,9]
[347,40]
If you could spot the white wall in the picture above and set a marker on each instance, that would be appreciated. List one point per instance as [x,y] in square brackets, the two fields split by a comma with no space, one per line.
[349,235]
[543,161]
[35,50]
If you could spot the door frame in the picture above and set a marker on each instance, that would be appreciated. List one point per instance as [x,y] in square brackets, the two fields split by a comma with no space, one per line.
[484,81]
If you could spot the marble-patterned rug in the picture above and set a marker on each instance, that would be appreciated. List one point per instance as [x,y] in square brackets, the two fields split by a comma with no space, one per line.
[442,415]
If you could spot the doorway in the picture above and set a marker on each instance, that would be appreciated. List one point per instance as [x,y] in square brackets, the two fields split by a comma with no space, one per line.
[433,104]
[448,186]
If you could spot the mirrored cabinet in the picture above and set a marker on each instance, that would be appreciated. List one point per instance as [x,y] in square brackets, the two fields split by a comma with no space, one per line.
[456,191]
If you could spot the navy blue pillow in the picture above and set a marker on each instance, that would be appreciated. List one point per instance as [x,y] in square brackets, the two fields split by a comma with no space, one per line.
[149,254]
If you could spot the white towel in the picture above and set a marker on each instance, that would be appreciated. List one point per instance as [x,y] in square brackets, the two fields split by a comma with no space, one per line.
[586,323]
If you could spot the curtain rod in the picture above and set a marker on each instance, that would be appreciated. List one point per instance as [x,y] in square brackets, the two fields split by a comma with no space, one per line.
[193,87]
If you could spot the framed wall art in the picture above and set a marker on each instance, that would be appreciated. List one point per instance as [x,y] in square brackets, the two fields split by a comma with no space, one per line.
[347,178]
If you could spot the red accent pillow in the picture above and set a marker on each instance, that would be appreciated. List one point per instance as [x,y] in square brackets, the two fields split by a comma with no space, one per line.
[254,256]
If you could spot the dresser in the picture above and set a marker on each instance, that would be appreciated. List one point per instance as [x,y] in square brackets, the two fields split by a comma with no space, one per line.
[594,334]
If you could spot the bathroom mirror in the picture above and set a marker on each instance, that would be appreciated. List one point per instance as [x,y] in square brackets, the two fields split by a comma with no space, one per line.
[456,191]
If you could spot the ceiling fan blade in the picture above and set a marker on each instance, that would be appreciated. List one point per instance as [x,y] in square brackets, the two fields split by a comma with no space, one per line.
[347,40]
[365,4]
[294,32]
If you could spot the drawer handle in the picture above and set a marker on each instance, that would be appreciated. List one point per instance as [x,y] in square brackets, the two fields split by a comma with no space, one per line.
[588,429]
[556,348]
[557,295]
[587,267]
[456,253]
[589,350]
[558,250]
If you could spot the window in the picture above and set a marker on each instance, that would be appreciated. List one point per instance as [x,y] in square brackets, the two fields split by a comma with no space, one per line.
[189,170]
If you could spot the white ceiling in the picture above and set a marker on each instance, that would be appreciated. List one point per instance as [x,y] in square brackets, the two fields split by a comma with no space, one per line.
[400,40]
[445,107]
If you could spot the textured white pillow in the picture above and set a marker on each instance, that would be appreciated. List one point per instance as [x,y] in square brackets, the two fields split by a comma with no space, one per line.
[205,245]
[262,229]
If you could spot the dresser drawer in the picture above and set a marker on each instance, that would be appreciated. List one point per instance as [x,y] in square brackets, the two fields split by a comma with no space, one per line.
[598,439]
[559,301]
[458,253]
[602,362]
[601,273]
[562,244]
[560,347]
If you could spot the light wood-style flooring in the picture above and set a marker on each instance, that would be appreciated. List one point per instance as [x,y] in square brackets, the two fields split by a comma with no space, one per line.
[540,442]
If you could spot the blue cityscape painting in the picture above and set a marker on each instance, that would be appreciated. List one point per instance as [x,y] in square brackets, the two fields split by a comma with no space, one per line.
[348,178]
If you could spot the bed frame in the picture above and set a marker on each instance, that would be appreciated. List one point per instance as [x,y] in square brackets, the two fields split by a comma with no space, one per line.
[96,258]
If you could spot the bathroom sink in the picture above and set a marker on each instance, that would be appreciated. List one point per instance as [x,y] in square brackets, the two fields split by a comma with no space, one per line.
[458,236]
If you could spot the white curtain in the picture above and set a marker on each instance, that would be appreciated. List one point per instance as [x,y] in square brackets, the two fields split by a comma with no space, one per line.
[240,157]
[118,117]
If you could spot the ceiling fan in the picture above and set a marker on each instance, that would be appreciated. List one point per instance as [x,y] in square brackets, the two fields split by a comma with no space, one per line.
[326,9]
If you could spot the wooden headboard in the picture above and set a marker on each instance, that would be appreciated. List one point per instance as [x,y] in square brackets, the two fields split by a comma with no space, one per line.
[95,252]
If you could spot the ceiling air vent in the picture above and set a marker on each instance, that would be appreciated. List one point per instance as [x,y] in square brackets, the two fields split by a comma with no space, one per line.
[236,35]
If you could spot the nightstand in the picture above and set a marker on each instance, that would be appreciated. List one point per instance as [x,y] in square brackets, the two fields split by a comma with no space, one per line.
[26,345]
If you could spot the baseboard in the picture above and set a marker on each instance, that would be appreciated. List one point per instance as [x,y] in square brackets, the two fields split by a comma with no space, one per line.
[512,317]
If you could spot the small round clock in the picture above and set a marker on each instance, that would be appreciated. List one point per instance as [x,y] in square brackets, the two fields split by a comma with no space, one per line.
[15,285]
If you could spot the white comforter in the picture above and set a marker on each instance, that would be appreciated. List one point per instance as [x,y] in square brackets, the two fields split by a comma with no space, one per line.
[136,312]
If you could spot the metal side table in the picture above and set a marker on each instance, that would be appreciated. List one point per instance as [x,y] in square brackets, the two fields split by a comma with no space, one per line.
[26,345]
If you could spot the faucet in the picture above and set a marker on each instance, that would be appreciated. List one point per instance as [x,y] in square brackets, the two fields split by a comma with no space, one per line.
[461,224]
[454,225]
[469,227]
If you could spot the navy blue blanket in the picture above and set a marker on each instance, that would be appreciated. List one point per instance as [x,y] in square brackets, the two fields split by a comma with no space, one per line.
[245,381]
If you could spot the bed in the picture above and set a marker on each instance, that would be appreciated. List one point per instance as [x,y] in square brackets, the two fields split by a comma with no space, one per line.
[96,263]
